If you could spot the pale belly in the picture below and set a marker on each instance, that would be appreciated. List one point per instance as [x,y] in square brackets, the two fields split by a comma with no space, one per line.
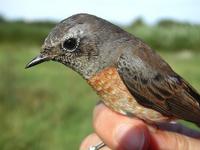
[116,96]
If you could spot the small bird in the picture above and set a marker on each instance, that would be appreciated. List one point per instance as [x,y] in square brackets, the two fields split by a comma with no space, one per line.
[129,76]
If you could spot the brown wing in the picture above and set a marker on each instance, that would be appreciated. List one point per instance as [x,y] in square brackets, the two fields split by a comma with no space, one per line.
[156,86]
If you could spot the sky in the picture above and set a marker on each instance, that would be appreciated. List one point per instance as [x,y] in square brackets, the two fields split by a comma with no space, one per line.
[118,11]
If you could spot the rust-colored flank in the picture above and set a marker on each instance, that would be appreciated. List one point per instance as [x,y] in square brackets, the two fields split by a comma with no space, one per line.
[115,95]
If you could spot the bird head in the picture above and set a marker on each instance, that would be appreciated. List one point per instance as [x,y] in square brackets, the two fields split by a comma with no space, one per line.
[84,43]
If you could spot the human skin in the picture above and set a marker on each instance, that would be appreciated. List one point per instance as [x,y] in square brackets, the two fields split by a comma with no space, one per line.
[123,133]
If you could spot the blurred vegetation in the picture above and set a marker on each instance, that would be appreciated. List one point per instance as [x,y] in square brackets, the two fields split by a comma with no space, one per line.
[50,106]
[47,107]
[22,32]
[167,34]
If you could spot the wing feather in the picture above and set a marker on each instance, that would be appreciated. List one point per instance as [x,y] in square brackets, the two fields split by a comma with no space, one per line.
[165,92]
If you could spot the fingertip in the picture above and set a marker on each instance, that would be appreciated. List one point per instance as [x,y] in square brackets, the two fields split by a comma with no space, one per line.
[132,137]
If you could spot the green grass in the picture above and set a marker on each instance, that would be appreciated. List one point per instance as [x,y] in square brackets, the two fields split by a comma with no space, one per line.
[50,106]
[47,107]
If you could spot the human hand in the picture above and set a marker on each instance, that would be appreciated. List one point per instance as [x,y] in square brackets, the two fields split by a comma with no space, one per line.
[123,133]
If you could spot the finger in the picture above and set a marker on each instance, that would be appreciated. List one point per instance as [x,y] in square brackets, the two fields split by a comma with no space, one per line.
[120,132]
[179,128]
[166,140]
[91,140]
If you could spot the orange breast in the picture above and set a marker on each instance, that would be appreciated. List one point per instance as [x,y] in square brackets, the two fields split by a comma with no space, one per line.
[115,95]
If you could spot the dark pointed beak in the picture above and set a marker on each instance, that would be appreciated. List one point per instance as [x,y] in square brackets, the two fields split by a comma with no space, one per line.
[37,60]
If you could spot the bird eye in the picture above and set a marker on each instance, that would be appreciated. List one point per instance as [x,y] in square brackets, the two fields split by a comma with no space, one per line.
[70,44]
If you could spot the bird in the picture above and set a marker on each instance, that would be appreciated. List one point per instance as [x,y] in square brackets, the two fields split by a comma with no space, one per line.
[128,75]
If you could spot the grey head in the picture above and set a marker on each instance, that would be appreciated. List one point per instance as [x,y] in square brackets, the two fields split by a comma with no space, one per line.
[84,43]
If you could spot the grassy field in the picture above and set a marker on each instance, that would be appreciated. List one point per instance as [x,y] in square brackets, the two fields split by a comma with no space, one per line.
[50,106]
[47,107]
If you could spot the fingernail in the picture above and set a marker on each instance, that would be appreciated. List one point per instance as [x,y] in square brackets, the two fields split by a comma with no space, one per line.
[129,138]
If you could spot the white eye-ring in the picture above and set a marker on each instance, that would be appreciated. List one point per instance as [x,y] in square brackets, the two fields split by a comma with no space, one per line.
[70,44]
